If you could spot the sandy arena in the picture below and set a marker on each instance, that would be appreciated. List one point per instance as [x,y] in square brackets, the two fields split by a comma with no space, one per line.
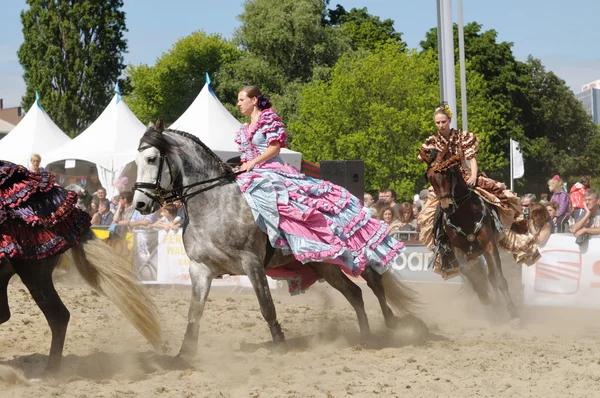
[556,354]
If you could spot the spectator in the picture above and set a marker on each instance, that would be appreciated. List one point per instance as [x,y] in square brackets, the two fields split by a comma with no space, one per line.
[552,208]
[423,196]
[390,217]
[122,217]
[577,194]
[169,220]
[544,198]
[93,182]
[114,203]
[555,185]
[540,225]
[35,161]
[377,208]
[368,200]
[526,201]
[104,216]
[416,208]
[93,208]
[389,195]
[407,221]
[181,216]
[590,222]
[100,193]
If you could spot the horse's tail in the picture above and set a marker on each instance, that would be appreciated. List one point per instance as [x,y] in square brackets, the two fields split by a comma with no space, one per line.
[108,273]
[398,295]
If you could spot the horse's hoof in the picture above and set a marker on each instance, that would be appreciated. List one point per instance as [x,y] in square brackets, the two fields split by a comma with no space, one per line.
[280,347]
[393,322]
[517,323]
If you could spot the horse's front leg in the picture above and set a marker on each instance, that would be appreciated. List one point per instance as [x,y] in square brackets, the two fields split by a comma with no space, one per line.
[6,272]
[253,267]
[201,277]
[497,279]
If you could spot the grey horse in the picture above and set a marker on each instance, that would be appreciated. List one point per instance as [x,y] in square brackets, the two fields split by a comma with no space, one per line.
[223,238]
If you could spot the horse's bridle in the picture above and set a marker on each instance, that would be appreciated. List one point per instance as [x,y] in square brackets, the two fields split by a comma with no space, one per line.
[163,195]
[450,166]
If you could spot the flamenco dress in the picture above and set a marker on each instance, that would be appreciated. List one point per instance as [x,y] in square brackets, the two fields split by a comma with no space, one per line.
[37,218]
[312,219]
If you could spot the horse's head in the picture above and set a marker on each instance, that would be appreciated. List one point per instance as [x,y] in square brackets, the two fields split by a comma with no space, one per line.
[443,174]
[155,169]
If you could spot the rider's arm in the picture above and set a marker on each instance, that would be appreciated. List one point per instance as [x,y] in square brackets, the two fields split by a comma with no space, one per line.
[473,164]
[270,153]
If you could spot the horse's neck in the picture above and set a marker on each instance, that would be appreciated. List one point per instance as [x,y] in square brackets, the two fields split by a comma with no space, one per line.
[198,165]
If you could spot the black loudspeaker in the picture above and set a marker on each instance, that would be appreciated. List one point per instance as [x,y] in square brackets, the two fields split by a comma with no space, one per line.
[349,174]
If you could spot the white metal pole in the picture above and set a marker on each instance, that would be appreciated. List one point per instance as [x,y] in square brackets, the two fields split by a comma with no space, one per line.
[463,74]
[510,149]
[448,57]
[440,49]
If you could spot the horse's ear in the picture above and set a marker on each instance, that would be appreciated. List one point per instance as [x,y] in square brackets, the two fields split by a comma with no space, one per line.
[159,125]
[424,155]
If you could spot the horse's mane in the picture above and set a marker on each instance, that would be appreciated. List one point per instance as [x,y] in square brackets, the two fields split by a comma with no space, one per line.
[155,137]
[433,155]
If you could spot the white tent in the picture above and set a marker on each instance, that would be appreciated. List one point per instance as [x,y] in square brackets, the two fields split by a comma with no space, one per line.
[5,127]
[209,120]
[110,142]
[35,133]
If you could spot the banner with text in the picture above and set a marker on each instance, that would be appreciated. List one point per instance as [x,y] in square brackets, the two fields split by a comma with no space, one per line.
[567,275]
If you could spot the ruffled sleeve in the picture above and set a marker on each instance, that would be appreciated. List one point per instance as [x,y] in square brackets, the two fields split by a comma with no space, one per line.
[469,144]
[238,140]
[271,126]
[427,146]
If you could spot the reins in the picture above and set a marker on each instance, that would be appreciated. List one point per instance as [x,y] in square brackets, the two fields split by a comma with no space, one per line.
[163,196]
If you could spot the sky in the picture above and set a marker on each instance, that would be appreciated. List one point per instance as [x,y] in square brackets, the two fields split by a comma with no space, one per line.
[565,35]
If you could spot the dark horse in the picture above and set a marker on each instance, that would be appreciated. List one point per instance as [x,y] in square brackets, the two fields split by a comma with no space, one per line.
[103,270]
[469,225]
[222,236]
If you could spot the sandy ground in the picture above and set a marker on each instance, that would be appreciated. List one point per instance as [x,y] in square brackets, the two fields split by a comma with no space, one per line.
[555,354]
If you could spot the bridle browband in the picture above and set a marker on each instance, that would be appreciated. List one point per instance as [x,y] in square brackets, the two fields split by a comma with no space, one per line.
[163,196]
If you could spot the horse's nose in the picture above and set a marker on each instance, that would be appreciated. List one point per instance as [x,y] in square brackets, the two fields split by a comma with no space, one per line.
[140,205]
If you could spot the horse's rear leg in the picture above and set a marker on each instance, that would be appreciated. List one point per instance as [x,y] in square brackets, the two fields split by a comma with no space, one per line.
[37,276]
[6,272]
[201,277]
[334,275]
[497,279]
[374,282]
[256,273]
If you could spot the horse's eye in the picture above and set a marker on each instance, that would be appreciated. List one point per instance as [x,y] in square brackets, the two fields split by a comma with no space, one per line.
[152,159]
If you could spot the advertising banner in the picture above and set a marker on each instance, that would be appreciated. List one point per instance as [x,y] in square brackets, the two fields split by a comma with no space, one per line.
[567,275]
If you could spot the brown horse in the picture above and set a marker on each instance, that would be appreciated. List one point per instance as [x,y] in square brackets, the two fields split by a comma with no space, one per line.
[468,224]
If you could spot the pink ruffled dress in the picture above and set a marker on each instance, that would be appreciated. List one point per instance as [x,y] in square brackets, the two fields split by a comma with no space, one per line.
[312,219]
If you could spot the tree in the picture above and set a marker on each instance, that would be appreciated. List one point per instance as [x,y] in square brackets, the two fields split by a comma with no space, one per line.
[376,107]
[290,35]
[364,30]
[72,54]
[169,87]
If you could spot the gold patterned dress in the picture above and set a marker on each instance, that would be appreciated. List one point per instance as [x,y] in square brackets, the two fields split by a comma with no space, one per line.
[515,238]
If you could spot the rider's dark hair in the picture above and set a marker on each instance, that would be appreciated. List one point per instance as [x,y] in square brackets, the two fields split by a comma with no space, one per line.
[254,92]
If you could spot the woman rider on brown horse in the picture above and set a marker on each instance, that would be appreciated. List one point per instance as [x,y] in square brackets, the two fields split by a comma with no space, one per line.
[506,204]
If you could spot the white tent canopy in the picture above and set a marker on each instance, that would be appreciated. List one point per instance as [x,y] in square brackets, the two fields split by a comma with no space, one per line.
[5,127]
[35,133]
[110,142]
[209,120]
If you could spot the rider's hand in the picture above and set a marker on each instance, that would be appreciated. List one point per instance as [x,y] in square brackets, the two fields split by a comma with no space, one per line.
[472,181]
[247,166]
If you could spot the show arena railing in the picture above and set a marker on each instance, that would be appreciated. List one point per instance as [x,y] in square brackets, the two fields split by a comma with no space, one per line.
[567,275]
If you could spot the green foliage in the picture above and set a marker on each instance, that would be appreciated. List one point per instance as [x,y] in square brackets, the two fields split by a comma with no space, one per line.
[375,107]
[169,87]
[72,55]
[364,30]
[290,35]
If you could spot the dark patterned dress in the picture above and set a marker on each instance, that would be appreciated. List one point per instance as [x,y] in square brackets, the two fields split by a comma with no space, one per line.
[37,218]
